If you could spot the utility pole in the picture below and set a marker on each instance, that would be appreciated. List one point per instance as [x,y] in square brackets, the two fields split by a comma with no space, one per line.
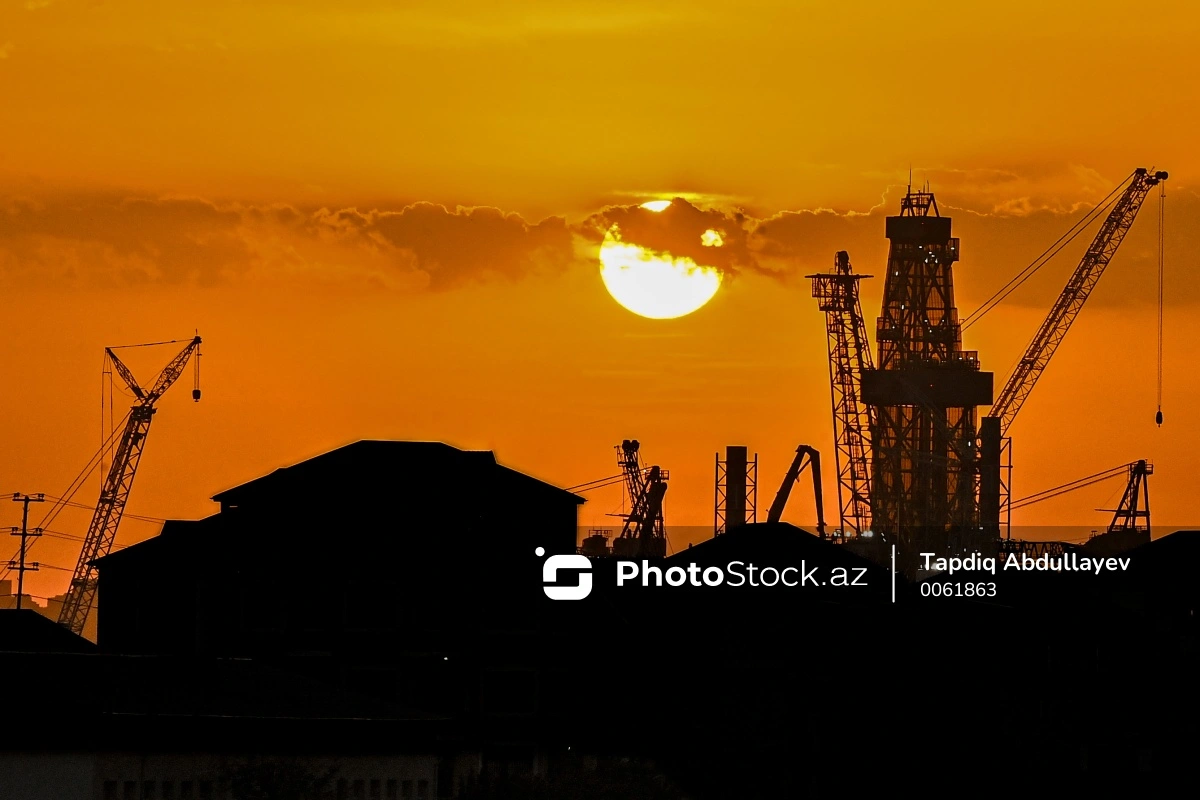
[25,533]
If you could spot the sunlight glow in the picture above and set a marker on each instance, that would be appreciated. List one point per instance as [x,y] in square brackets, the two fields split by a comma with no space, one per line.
[655,285]
[656,205]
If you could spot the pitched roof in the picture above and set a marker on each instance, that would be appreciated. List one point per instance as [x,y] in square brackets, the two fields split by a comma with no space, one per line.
[27,631]
[396,463]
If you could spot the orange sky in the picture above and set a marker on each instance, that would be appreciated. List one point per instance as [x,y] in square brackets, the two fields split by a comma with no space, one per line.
[251,170]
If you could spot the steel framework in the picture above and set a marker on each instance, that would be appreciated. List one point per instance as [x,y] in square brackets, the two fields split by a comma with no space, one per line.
[643,534]
[853,420]
[924,392]
[736,497]
[111,506]
[1133,512]
[1070,301]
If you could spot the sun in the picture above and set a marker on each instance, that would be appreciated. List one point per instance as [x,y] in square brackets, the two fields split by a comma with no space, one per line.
[657,285]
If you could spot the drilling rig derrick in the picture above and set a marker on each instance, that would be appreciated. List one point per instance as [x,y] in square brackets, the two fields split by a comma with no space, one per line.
[923,393]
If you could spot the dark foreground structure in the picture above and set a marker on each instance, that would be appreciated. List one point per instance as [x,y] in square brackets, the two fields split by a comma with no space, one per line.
[373,623]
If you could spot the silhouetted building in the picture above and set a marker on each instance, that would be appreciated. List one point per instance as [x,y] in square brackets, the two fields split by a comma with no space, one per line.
[27,630]
[406,570]
[410,572]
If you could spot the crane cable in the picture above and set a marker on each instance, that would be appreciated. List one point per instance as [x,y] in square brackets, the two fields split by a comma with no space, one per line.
[1070,486]
[1029,271]
[1162,203]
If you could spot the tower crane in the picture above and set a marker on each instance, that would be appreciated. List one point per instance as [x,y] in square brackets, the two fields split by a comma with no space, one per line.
[643,534]
[805,456]
[115,492]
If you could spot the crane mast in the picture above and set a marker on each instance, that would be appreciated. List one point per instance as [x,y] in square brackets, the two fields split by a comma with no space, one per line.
[1054,328]
[117,483]
[853,420]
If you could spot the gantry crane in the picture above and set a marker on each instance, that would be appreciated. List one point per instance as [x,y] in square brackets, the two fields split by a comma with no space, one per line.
[643,534]
[805,456]
[117,484]
[1132,514]
[849,358]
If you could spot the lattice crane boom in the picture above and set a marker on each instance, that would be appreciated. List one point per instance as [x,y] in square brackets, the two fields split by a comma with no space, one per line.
[643,534]
[117,483]
[1091,267]
[849,358]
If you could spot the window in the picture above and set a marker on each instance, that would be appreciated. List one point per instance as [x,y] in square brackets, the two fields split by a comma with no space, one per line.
[375,789]
[406,791]
[147,790]
[129,790]
[110,791]
[392,794]
[168,790]
[358,790]
[343,789]
[422,790]
[205,790]
[185,790]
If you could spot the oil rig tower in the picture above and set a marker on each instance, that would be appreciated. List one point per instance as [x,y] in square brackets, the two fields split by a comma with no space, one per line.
[923,392]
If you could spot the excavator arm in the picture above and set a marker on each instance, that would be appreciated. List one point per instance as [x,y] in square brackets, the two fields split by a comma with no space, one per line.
[805,455]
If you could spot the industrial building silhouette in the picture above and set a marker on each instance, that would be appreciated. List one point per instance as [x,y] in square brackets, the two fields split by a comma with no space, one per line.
[375,617]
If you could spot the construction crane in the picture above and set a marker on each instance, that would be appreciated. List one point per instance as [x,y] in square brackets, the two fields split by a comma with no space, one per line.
[643,534]
[119,480]
[994,427]
[853,420]
[1130,525]
[805,456]
[1070,301]
[1133,512]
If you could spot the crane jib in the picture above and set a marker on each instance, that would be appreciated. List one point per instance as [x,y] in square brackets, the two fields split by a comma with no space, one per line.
[110,507]
[1070,302]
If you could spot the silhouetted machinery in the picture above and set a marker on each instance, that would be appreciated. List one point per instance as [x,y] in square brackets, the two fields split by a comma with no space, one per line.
[1130,525]
[853,420]
[119,480]
[642,535]
[994,427]
[912,466]
[805,456]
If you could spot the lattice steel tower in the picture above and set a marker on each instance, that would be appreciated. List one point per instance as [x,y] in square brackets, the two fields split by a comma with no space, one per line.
[923,392]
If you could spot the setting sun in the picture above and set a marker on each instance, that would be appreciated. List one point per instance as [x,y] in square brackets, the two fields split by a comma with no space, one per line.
[656,285]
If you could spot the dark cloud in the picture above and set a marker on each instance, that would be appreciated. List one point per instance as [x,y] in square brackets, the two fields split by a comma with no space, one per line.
[107,240]
[122,241]
[104,240]
[454,246]
[679,230]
